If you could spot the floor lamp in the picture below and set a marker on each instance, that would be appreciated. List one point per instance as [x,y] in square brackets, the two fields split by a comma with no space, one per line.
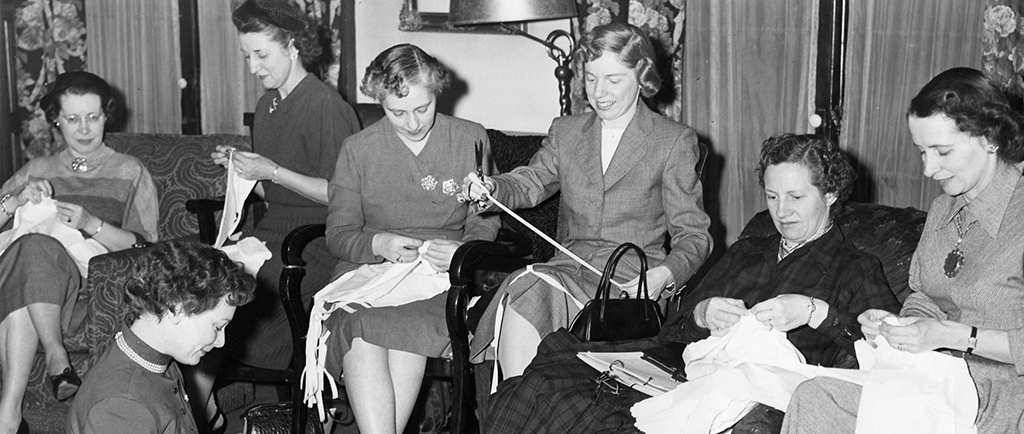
[475,12]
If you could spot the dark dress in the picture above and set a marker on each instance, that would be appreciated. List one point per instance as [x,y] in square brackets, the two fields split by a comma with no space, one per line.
[121,396]
[304,133]
[558,392]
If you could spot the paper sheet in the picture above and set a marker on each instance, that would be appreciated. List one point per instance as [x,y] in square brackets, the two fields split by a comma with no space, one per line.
[630,369]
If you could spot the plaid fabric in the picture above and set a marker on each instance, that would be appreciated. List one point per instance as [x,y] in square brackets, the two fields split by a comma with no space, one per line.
[827,269]
[558,393]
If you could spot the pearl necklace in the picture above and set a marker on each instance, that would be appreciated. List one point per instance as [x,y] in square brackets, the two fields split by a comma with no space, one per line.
[145,364]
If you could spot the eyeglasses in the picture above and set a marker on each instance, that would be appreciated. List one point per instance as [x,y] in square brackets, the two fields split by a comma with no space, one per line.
[91,119]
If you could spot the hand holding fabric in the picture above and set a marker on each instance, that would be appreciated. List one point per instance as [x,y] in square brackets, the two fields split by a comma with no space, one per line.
[34,191]
[252,166]
[870,321]
[784,312]
[439,254]
[918,335]
[718,314]
[73,216]
[396,248]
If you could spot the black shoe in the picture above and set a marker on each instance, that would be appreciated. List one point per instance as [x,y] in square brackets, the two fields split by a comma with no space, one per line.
[23,427]
[65,384]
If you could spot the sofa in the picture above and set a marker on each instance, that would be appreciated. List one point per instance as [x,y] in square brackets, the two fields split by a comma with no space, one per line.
[182,170]
[889,233]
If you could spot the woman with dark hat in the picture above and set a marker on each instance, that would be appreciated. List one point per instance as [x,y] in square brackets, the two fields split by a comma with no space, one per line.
[299,125]
[180,296]
[105,195]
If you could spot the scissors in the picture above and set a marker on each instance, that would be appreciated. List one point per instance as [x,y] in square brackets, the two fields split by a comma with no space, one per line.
[480,160]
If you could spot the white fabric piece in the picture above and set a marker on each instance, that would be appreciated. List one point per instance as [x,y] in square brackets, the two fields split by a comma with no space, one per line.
[237,191]
[251,252]
[903,392]
[42,218]
[376,285]
[499,315]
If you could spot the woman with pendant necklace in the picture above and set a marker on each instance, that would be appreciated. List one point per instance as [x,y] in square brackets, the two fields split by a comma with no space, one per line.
[967,271]
[105,195]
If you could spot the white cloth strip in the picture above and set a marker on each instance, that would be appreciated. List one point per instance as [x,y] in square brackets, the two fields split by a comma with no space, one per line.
[549,239]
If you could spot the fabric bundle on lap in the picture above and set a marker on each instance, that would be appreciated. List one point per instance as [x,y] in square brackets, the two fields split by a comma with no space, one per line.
[377,285]
[752,363]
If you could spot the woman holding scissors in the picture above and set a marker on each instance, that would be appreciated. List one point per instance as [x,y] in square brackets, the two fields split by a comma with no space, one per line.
[394,189]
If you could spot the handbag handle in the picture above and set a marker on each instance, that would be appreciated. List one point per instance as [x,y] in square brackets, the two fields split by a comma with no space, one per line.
[604,287]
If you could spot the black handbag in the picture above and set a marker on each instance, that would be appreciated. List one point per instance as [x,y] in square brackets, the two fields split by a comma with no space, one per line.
[606,319]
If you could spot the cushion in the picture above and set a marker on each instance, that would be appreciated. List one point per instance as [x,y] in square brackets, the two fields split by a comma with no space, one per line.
[181,168]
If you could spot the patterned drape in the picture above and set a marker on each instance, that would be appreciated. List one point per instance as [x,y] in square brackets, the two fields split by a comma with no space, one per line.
[50,37]
[1003,44]
[663,21]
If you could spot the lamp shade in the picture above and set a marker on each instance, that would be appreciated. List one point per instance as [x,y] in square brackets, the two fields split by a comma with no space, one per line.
[468,12]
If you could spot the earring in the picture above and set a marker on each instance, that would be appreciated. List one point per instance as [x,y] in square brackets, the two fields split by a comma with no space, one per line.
[57,123]
[992,149]
[295,56]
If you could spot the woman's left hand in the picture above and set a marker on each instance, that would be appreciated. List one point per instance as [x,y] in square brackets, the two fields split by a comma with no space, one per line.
[252,166]
[918,335]
[784,312]
[73,216]
[657,279]
[439,254]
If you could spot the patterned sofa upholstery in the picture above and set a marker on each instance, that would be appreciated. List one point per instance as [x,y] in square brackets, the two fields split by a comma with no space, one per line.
[181,169]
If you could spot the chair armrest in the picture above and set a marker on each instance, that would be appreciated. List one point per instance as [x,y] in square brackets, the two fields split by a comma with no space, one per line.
[290,287]
[205,211]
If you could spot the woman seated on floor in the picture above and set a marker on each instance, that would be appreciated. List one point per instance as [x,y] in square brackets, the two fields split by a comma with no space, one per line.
[179,297]
[966,273]
[805,281]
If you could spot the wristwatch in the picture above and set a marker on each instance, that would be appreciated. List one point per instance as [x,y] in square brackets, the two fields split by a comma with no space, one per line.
[972,341]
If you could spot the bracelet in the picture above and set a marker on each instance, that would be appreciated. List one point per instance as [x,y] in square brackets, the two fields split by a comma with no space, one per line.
[3,205]
[98,229]
[273,177]
[812,308]
[972,341]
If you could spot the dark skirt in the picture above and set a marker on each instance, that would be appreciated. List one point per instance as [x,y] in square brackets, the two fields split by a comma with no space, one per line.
[260,334]
[37,269]
[418,327]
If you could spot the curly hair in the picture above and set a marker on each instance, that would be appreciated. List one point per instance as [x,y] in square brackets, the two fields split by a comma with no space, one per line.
[631,47]
[184,277]
[79,83]
[292,25]
[394,69]
[831,171]
[977,106]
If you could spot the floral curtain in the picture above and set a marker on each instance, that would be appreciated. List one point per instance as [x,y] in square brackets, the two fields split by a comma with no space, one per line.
[663,21]
[50,38]
[1003,44]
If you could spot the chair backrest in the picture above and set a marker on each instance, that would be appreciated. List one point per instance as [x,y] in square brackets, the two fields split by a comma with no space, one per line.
[889,233]
[181,168]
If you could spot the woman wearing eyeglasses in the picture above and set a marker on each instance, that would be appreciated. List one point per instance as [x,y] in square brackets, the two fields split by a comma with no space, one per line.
[105,195]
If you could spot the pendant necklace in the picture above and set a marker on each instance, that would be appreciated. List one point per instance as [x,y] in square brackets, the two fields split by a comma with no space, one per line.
[955,258]
[273,105]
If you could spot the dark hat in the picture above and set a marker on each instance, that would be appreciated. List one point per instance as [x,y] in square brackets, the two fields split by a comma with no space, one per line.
[81,79]
[279,13]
